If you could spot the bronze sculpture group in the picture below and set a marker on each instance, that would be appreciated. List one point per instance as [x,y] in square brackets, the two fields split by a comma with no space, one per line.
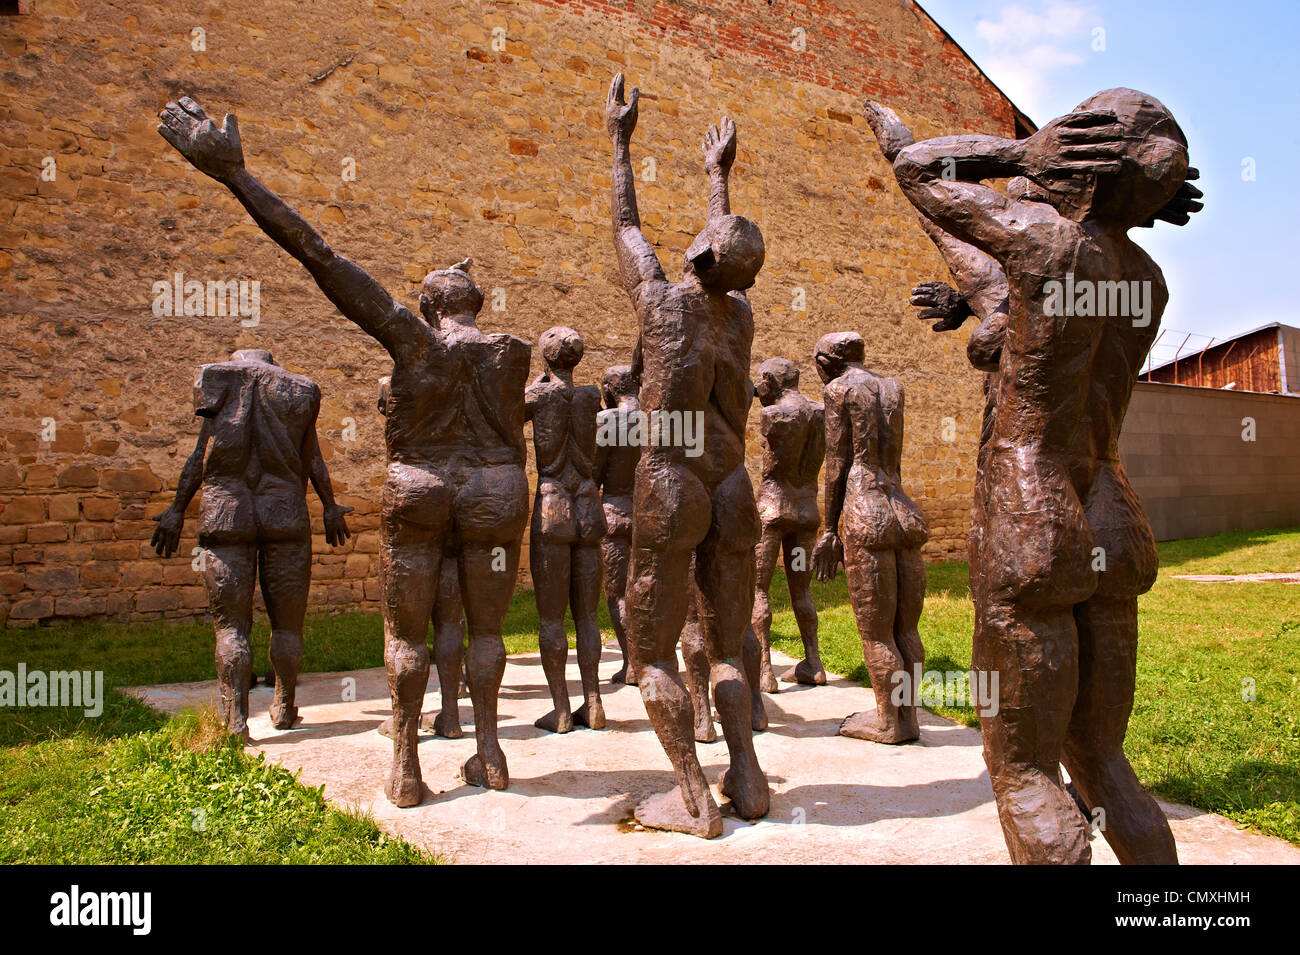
[684,548]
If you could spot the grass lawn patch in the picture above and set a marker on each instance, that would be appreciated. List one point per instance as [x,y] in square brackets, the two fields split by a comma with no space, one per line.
[177,793]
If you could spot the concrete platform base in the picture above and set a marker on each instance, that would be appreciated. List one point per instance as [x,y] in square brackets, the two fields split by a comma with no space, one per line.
[835,800]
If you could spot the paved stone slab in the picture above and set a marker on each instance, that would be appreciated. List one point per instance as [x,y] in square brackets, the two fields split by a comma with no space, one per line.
[835,800]
[1240,578]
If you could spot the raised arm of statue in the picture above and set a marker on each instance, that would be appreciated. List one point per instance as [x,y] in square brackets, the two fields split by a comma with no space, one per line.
[943,178]
[216,151]
[981,284]
[636,257]
[719,154]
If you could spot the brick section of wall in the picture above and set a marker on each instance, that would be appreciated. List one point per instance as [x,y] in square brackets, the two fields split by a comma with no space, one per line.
[1184,451]
[460,147]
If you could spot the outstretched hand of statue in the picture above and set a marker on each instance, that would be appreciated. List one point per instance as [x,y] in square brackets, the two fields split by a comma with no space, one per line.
[1186,201]
[167,535]
[1085,142]
[336,528]
[620,116]
[720,146]
[940,300]
[213,150]
[827,556]
[891,134]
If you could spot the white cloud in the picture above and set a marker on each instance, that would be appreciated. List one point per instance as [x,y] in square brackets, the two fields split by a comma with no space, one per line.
[1027,45]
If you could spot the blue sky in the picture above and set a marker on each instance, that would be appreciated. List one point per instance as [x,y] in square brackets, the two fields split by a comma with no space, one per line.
[1231,74]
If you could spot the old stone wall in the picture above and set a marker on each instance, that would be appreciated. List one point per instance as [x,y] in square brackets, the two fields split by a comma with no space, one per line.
[443,129]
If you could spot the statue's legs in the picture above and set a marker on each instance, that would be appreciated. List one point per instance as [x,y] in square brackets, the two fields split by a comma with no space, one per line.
[873,591]
[696,657]
[550,565]
[766,553]
[798,549]
[1132,823]
[672,514]
[614,557]
[1107,622]
[229,572]
[1034,567]
[284,570]
[907,635]
[752,657]
[448,650]
[724,572]
[1034,652]
[412,533]
[491,512]
[584,596]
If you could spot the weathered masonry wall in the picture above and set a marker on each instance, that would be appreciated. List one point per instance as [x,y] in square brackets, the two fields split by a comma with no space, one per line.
[1206,461]
[472,128]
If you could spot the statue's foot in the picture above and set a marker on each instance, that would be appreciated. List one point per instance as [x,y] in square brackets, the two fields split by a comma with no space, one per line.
[806,673]
[490,773]
[705,732]
[386,728]
[555,722]
[632,677]
[591,715]
[284,718]
[404,788]
[746,786]
[442,724]
[668,811]
[242,732]
[620,676]
[866,725]
[767,679]
[757,714]
[237,725]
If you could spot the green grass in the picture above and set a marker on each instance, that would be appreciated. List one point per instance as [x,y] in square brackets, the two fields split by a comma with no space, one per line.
[150,652]
[171,792]
[1192,737]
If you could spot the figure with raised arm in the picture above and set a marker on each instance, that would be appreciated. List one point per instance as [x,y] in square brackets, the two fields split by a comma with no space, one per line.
[455,446]
[567,526]
[1061,547]
[695,339]
[792,433]
[876,531]
[256,452]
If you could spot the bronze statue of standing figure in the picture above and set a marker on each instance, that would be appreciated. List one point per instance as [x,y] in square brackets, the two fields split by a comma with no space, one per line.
[792,434]
[876,530]
[615,472]
[448,635]
[455,442]
[692,499]
[567,526]
[1060,546]
[255,454]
